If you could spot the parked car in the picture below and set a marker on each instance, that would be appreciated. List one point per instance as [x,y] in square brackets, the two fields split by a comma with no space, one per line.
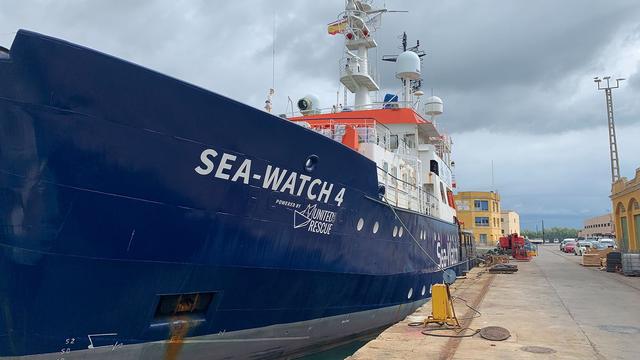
[599,246]
[608,242]
[582,247]
[563,242]
[569,246]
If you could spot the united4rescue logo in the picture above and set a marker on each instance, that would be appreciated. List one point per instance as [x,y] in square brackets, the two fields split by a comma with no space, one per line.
[314,220]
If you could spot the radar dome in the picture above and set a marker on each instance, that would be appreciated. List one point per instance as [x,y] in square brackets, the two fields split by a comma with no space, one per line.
[408,66]
[434,106]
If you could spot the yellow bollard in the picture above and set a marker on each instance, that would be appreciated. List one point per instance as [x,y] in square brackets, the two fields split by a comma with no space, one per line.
[442,311]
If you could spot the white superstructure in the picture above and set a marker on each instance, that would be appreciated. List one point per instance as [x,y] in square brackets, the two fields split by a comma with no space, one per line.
[412,156]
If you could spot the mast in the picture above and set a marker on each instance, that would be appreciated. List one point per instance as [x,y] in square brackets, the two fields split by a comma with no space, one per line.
[358,22]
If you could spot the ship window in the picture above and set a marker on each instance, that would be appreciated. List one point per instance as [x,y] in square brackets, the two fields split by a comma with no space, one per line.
[394,176]
[393,142]
[410,140]
[400,232]
[410,294]
[360,224]
[433,167]
[311,163]
[395,231]
[375,227]
[183,304]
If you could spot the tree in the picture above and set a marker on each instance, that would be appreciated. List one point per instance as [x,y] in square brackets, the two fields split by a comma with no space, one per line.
[552,233]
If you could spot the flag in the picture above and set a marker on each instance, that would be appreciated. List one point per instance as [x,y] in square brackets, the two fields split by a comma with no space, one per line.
[337,27]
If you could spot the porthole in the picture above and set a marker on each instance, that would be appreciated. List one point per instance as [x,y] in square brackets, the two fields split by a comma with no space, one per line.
[410,294]
[376,226]
[400,232]
[424,290]
[311,163]
[395,231]
[360,224]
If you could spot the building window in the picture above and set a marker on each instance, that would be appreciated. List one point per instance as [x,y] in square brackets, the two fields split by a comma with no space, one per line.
[482,221]
[481,205]
[483,239]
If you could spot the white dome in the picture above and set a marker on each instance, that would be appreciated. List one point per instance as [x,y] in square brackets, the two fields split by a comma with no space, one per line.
[408,66]
[434,106]
[434,99]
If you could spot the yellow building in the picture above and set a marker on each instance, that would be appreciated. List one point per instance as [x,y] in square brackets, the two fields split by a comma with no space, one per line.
[510,222]
[625,196]
[479,212]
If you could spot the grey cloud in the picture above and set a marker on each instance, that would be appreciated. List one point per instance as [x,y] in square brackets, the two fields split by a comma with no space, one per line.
[507,70]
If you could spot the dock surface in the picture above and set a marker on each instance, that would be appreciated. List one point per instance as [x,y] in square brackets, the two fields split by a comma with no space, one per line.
[553,307]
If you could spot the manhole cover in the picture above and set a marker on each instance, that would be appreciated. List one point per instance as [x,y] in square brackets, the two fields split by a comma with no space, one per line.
[494,333]
[538,349]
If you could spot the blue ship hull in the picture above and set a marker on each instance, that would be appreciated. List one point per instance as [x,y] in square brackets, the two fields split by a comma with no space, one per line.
[121,187]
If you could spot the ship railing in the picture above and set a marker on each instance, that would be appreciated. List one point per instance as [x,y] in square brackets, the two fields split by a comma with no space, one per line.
[368,129]
[404,150]
[350,66]
[377,105]
[406,195]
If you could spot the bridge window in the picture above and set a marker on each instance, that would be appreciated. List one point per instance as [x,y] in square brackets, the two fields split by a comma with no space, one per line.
[393,142]
[410,140]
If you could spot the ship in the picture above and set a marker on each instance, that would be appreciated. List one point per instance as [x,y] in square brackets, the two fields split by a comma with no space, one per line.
[142,217]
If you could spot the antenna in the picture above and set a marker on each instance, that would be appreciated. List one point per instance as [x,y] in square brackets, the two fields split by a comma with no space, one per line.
[357,24]
[404,41]
[492,182]
[268,103]
[408,69]
[613,145]
[273,54]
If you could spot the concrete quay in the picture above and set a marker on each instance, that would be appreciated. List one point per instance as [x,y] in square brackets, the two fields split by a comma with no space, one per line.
[553,307]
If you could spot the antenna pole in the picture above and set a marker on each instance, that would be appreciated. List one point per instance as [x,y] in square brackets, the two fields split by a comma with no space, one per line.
[492,183]
[273,55]
[613,145]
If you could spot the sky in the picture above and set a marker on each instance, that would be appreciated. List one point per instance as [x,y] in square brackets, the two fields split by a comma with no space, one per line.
[516,76]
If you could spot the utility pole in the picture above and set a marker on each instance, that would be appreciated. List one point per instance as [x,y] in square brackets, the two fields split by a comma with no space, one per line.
[543,231]
[613,146]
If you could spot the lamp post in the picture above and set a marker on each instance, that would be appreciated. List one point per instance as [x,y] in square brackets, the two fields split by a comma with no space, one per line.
[613,146]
